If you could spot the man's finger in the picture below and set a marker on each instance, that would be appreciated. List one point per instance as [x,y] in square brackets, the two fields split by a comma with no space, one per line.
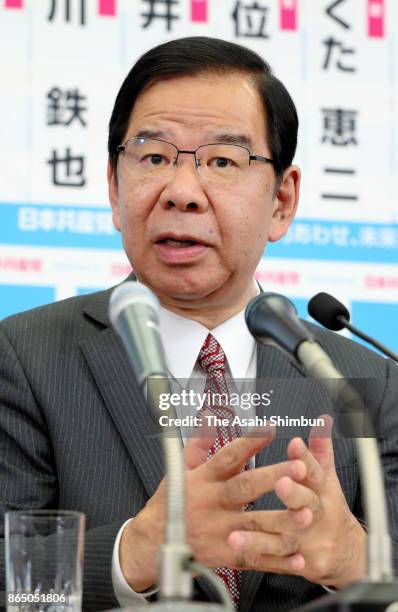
[320,443]
[259,543]
[197,448]
[315,473]
[273,521]
[233,457]
[296,496]
[252,484]
[290,564]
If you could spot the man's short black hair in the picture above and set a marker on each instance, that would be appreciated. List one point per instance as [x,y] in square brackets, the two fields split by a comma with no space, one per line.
[200,55]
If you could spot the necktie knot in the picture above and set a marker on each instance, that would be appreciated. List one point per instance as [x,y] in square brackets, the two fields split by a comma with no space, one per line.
[211,356]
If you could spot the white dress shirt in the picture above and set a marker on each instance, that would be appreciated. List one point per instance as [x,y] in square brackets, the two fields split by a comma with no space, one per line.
[182,340]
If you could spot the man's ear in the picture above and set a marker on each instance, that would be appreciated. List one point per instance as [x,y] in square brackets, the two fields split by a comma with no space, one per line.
[285,203]
[113,192]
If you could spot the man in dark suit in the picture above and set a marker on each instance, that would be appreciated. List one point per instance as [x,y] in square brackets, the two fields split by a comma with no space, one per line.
[201,142]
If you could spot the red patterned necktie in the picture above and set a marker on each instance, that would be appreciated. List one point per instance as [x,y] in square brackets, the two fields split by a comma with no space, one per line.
[212,360]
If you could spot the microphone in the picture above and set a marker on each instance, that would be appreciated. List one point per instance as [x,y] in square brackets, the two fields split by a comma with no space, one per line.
[134,314]
[133,311]
[332,314]
[271,317]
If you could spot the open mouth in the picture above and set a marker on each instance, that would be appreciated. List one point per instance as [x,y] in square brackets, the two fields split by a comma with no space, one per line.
[179,250]
[177,244]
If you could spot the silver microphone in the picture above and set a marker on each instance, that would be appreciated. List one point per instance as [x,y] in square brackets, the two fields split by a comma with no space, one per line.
[134,313]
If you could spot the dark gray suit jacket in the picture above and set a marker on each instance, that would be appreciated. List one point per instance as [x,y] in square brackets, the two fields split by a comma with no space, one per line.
[75,434]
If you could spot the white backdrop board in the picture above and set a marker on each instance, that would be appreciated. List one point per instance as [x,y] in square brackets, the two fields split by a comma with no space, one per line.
[61,65]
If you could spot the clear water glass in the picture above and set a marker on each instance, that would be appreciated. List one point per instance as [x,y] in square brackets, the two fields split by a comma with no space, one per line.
[44,560]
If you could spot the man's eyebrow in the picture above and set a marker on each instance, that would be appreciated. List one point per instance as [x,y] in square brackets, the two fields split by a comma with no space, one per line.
[227,138]
[224,137]
[150,134]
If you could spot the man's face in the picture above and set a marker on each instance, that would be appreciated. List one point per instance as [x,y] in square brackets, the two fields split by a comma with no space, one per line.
[227,224]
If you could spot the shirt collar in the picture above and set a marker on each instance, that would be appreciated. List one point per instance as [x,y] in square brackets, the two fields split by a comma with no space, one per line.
[183,338]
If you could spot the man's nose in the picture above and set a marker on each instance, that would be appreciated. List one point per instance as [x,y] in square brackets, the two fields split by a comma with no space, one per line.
[184,189]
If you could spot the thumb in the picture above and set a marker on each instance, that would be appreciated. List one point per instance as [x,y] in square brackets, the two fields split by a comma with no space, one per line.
[199,444]
[320,443]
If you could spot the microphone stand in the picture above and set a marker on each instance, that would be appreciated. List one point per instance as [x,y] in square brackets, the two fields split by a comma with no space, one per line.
[272,318]
[176,561]
[133,313]
[378,592]
[357,332]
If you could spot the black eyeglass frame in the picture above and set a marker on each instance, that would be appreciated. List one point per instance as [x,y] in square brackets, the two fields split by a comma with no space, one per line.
[265,160]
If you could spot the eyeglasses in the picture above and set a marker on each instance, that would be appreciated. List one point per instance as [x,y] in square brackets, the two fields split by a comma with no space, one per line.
[153,158]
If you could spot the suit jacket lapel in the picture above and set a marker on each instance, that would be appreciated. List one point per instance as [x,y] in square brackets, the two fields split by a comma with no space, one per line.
[108,362]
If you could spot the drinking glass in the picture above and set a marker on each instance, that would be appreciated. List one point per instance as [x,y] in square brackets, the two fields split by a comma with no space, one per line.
[44,560]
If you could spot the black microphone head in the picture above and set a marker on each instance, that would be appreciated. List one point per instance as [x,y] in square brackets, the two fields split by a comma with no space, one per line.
[272,317]
[325,309]
[267,304]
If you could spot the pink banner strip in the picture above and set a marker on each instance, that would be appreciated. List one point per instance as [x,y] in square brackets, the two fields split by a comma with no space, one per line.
[107,8]
[13,4]
[288,14]
[376,18]
[199,11]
